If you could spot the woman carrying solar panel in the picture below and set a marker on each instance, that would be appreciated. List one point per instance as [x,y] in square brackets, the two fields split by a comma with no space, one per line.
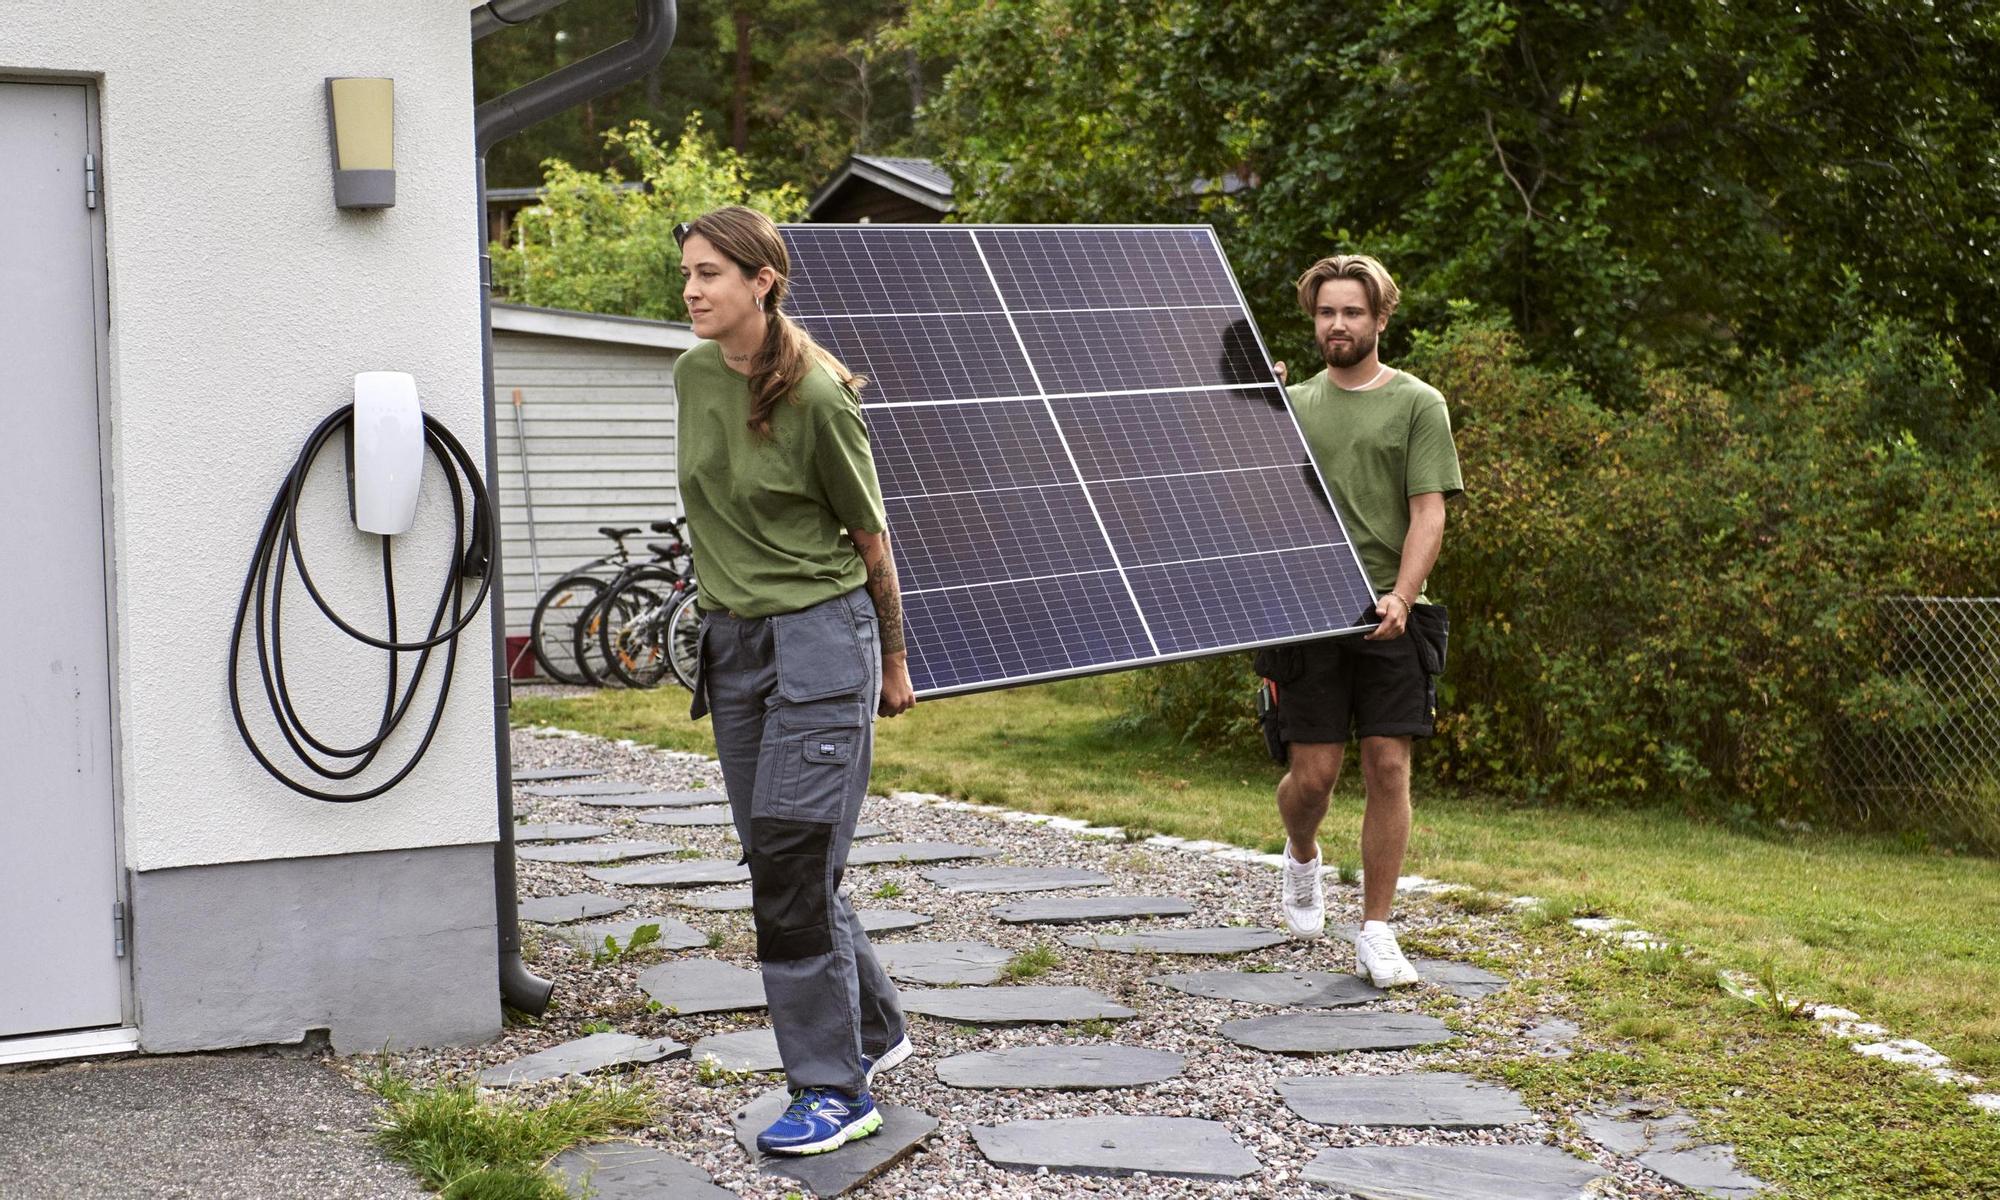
[801,647]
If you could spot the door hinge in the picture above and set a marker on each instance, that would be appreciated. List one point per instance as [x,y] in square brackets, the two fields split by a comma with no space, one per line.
[90,181]
[118,929]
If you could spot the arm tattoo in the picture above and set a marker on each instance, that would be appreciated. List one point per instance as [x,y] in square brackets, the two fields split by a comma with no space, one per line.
[888,602]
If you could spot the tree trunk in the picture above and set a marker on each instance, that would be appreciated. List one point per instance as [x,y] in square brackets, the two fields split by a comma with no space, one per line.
[739,131]
[915,71]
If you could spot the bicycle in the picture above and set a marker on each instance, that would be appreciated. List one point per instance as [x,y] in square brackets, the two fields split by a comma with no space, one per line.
[615,638]
[572,598]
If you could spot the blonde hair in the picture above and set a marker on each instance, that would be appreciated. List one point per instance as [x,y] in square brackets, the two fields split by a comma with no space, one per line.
[749,239]
[1383,294]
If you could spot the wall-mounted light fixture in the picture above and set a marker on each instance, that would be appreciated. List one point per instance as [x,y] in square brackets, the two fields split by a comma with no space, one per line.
[361,125]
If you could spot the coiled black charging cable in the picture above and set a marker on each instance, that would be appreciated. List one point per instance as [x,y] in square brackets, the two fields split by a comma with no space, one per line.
[265,584]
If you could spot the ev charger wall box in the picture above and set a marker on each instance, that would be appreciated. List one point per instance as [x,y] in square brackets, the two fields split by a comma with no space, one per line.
[385,452]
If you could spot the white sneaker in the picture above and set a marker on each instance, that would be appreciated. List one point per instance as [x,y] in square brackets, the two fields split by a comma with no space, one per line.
[1304,897]
[1378,959]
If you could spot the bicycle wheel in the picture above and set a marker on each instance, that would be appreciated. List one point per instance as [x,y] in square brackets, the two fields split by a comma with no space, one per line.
[632,635]
[588,636]
[553,633]
[684,639]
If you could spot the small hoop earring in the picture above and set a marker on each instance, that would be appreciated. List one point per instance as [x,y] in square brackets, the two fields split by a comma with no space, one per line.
[760,304]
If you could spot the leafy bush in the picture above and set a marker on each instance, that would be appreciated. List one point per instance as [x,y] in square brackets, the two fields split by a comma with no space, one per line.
[594,247]
[1675,602]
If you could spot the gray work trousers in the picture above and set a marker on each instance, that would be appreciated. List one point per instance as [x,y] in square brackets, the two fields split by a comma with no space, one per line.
[793,699]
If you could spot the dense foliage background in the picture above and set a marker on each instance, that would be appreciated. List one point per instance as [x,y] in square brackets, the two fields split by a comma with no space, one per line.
[1711,290]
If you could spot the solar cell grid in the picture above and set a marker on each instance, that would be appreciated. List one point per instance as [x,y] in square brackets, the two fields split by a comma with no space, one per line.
[886,269]
[1127,351]
[1168,433]
[1082,267]
[1085,459]
[927,357]
[921,448]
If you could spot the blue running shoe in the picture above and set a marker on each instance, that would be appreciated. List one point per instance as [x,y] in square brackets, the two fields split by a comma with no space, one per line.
[892,1057]
[819,1120]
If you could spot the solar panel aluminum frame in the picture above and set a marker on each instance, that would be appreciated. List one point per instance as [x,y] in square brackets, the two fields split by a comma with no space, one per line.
[1043,395]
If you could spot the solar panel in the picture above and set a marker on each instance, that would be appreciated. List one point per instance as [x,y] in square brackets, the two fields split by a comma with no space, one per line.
[1085,459]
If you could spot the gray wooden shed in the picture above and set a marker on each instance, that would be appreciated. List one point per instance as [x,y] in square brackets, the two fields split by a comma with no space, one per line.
[597,408]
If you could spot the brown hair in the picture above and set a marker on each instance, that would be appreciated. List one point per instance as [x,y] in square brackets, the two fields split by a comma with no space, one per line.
[1383,294]
[748,238]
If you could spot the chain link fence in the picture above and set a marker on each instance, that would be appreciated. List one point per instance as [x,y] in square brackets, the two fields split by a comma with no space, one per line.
[1926,755]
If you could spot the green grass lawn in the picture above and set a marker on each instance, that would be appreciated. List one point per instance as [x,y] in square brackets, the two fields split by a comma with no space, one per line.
[1907,938]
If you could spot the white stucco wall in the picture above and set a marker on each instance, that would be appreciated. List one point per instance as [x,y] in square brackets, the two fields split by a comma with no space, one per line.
[242,303]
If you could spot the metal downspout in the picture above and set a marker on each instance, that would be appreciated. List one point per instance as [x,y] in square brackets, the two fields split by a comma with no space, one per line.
[495,121]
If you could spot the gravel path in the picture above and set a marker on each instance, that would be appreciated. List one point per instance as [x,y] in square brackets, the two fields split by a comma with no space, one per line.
[1222,1081]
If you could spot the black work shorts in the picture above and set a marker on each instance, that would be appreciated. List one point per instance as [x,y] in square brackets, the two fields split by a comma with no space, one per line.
[1339,689]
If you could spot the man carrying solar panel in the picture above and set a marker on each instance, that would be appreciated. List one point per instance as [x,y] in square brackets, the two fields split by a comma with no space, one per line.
[1382,439]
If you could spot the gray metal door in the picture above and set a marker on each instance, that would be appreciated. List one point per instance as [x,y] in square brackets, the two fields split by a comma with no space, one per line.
[58,856]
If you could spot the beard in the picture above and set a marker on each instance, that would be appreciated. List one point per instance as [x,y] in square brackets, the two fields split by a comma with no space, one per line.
[1347,355]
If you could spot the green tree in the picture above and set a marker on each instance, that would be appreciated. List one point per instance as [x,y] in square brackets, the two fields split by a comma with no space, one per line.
[596,247]
[1632,182]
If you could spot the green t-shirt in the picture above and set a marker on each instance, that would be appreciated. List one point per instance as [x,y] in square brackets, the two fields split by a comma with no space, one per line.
[768,517]
[1376,449]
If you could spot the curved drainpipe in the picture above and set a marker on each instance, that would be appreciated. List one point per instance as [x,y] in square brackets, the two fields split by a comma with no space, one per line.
[495,121]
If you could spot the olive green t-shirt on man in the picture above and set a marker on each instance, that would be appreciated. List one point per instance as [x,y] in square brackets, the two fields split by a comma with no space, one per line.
[1376,448]
[768,517]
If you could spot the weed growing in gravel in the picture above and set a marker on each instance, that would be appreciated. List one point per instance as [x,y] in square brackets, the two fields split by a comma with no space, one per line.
[1658,958]
[1642,1028]
[889,890]
[1097,1027]
[1139,833]
[715,939]
[610,952]
[1348,870]
[595,1027]
[1549,910]
[472,1149]
[1038,959]
[709,1072]
[1262,969]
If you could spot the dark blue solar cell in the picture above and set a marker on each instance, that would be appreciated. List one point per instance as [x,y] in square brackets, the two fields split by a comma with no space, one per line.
[1080,266]
[958,447]
[976,537]
[968,637]
[1115,351]
[1233,602]
[1172,433]
[1218,514]
[886,269]
[927,358]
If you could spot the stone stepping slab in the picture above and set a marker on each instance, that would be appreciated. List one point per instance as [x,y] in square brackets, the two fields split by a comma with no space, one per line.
[700,985]
[592,788]
[890,853]
[1077,910]
[1314,989]
[870,831]
[1332,1032]
[642,797]
[595,852]
[728,900]
[558,833]
[749,1050]
[885,920]
[552,774]
[1181,1146]
[629,1171]
[708,814]
[694,872]
[674,935]
[552,910]
[942,962]
[1060,1068]
[1220,941]
[1452,1172]
[1014,879]
[1028,1005]
[1418,1099]
[1667,1145]
[581,1057]
[841,1170]
[1460,979]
